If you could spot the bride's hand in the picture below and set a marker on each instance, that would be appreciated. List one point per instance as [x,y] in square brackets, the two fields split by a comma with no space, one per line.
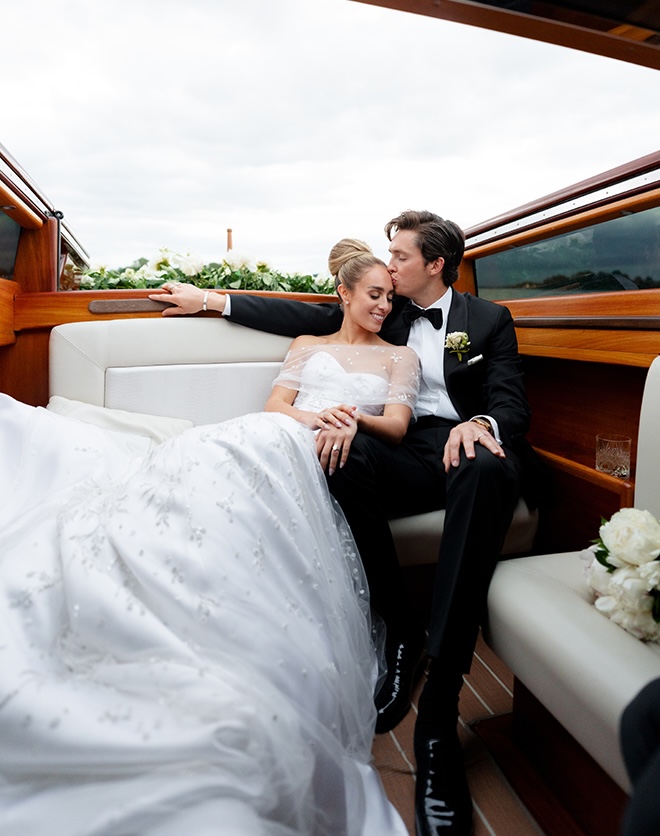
[337,416]
[333,446]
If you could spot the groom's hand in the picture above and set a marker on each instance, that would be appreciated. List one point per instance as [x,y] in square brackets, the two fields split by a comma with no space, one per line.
[467,435]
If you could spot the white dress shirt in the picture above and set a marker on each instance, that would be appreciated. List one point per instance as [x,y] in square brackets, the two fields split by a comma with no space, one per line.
[429,345]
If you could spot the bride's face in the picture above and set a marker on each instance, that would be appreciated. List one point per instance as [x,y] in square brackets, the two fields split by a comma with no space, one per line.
[370,301]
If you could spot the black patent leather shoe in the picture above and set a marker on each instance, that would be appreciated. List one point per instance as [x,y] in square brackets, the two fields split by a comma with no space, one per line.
[442,798]
[393,699]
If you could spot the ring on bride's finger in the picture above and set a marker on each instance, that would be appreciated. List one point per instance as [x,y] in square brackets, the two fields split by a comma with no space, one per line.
[335,448]
[479,436]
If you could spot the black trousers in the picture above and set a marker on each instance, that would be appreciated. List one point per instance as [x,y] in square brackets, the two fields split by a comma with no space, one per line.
[640,744]
[382,481]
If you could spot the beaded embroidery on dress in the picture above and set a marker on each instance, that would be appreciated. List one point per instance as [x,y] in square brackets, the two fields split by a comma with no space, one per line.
[185,637]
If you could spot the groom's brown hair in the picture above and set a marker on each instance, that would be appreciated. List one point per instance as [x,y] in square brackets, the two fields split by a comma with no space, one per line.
[436,238]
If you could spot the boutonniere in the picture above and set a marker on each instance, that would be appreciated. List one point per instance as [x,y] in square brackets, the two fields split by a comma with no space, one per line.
[457,343]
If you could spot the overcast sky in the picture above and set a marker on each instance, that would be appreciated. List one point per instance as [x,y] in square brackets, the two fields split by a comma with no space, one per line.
[161,123]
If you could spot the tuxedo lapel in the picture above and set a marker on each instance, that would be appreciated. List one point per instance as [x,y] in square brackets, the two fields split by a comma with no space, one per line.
[456,321]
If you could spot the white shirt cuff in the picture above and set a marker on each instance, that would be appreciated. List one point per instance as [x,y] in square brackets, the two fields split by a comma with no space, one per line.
[493,423]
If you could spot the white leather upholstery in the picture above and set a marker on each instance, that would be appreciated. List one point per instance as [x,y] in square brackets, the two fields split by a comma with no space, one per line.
[207,370]
[542,624]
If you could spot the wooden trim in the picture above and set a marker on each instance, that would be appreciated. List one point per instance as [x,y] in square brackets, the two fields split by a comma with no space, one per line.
[528,26]
[37,264]
[593,184]
[637,303]
[45,310]
[546,346]
[8,291]
[562,225]
[623,488]
[17,209]
[119,306]
[631,323]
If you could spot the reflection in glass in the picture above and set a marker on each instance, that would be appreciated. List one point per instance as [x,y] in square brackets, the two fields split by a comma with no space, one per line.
[621,254]
[9,233]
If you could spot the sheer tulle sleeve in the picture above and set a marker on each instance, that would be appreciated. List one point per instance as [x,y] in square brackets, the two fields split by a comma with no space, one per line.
[370,377]
[404,376]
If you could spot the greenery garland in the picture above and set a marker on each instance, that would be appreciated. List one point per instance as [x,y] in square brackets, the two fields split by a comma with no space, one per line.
[232,273]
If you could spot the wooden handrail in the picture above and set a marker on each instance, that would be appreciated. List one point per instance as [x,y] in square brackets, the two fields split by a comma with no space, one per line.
[625,488]
[606,323]
[569,223]
[552,28]
[613,176]
[17,209]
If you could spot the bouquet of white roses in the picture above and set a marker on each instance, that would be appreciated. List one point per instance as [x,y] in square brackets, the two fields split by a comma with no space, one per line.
[623,569]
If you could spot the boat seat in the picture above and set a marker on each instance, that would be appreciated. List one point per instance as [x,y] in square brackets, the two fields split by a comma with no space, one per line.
[206,370]
[542,623]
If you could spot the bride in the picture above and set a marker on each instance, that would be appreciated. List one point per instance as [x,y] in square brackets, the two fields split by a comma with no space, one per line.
[185,639]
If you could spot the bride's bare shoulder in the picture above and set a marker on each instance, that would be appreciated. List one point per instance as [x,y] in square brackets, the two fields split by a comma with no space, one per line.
[308,341]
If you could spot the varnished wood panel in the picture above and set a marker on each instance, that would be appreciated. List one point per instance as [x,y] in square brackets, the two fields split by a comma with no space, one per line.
[622,303]
[636,348]
[7,292]
[37,258]
[17,209]
[572,402]
[573,507]
[24,368]
[555,31]
[38,310]
[591,796]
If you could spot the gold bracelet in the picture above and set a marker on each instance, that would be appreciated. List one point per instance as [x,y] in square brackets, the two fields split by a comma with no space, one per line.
[483,423]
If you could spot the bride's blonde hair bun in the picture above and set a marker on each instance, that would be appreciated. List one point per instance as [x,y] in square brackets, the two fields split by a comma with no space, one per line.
[348,260]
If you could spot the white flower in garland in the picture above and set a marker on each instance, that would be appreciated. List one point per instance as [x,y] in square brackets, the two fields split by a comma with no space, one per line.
[623,569]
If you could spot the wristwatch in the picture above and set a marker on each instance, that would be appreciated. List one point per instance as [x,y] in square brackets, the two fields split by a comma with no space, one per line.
[483,422]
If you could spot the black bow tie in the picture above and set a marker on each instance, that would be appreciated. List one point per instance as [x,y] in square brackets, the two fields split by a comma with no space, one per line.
[411,312]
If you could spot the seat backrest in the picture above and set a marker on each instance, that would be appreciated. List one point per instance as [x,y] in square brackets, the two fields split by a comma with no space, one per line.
[647,477]
[201,369]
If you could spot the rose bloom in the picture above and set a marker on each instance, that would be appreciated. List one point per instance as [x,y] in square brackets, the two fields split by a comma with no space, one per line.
[637,622]
[188,264]
[630,590]
[631,537]
[650,573]
[596,574]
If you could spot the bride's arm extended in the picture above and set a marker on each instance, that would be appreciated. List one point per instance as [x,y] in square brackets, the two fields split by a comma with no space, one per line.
[391,426]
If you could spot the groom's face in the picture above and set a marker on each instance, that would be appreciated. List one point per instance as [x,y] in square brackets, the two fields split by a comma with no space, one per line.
[410,275]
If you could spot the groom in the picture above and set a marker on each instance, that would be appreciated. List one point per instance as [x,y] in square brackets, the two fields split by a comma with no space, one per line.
[460,454]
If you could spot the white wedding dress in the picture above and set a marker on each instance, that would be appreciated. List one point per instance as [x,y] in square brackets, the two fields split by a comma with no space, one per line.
[185,643]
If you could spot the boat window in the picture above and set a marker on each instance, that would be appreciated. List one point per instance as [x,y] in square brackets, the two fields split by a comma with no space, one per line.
[9,234]
[620,254]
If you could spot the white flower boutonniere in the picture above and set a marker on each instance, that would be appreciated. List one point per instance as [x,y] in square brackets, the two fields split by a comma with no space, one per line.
[623,569]
[457,342]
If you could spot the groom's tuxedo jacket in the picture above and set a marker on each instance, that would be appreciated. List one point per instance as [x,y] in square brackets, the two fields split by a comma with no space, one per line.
[488,380]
